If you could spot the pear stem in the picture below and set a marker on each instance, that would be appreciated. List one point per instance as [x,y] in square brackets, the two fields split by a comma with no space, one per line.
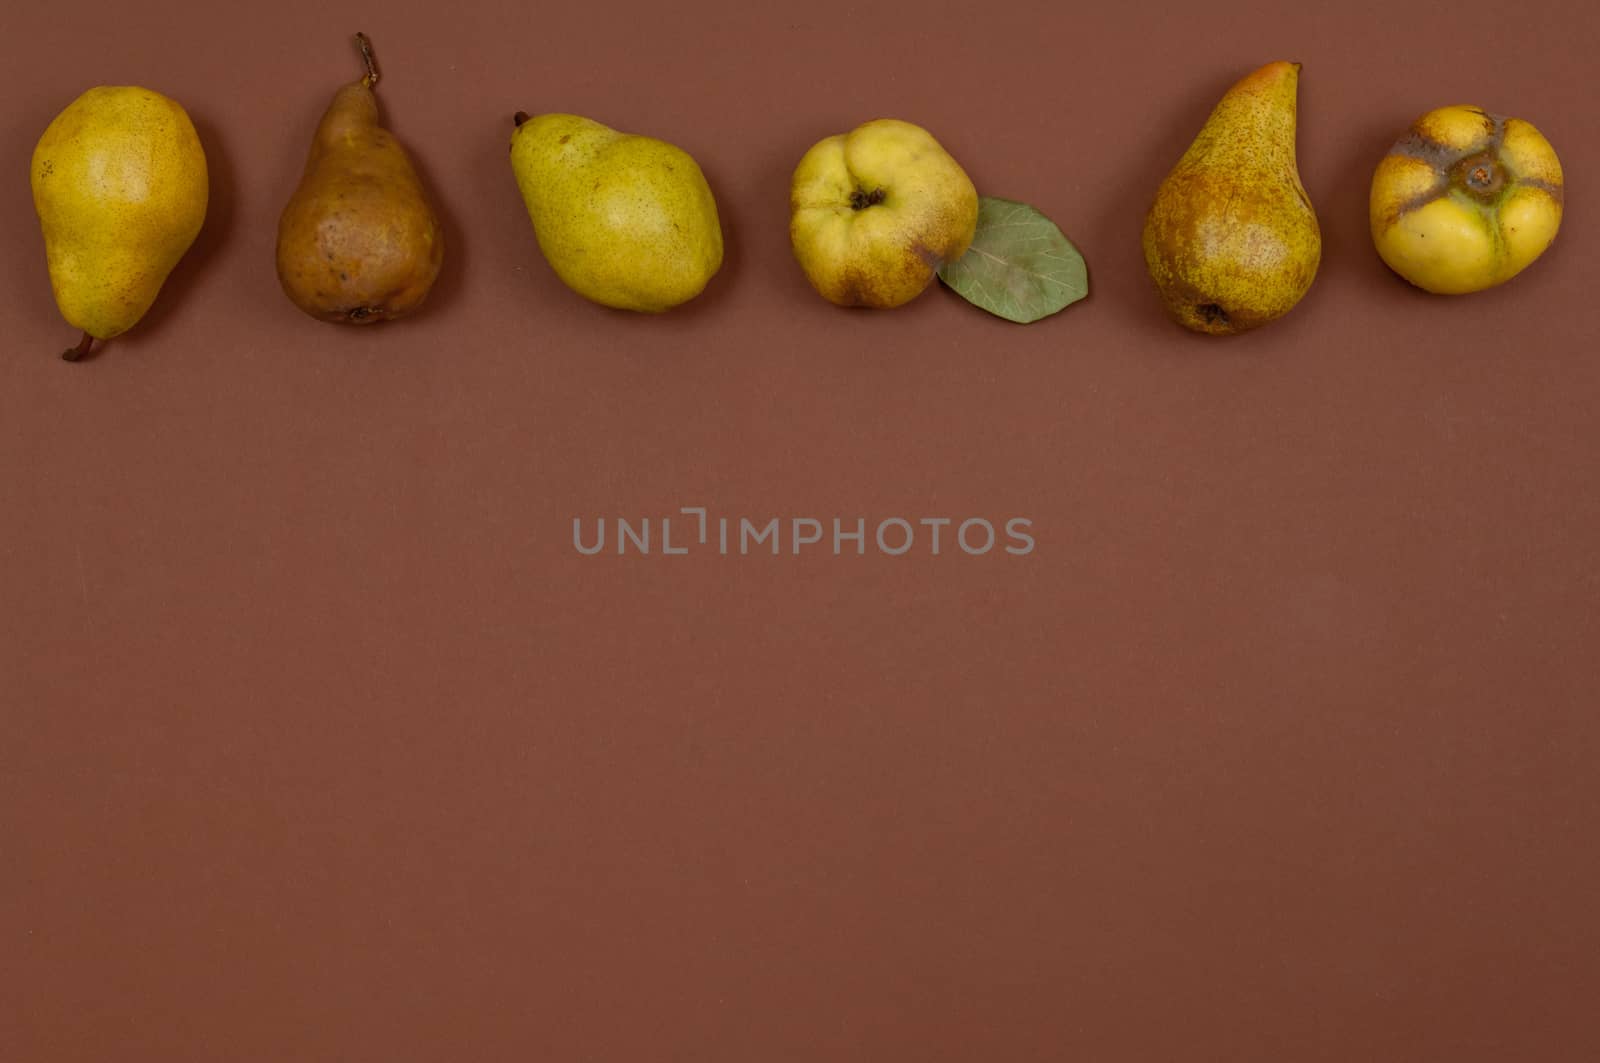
[77,353]
[518,118]
[370,80]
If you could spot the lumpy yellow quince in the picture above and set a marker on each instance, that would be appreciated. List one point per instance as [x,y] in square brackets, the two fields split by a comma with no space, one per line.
[874,213]
[1465,200]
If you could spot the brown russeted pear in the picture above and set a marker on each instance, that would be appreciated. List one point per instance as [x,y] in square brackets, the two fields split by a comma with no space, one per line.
[1231,240]
[359,241]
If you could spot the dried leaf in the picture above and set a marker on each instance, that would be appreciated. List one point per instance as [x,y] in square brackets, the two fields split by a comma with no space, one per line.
[1019,267]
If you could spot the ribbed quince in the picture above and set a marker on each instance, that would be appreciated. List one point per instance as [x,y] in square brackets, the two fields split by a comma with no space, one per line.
[1465,200]
[874,213]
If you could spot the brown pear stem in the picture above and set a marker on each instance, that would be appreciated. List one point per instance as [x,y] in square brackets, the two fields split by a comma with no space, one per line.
[75,354]
[518,118]
[371,78]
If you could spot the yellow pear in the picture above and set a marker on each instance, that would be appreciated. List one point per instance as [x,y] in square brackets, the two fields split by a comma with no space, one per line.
[1231,240]
[875,212]
[1465,200]
[119,182]
[625,220]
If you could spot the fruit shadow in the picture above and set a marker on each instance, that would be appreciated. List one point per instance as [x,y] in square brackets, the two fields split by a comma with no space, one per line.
[28,266]
[221,209]
[1117,238]
[1346,228]
[774,180]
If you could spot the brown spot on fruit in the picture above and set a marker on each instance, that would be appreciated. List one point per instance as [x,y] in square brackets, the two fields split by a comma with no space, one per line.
[861,200]
[1481,175]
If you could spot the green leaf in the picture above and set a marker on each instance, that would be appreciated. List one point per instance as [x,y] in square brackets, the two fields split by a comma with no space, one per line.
[1019,266]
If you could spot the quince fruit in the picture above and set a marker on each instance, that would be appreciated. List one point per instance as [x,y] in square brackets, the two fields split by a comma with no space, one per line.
[874,213]
[1465,200]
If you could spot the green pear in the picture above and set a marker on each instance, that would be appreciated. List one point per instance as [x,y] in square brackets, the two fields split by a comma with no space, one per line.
[1231,241]
[627,221]
[119,183]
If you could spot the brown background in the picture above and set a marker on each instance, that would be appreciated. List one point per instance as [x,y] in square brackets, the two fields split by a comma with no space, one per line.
[321,743]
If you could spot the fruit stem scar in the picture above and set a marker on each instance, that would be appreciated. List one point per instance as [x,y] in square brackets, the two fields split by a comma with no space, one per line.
[1212,313]
[860,200]
[1481,175]
[370,79]
[518,118]
[75,354]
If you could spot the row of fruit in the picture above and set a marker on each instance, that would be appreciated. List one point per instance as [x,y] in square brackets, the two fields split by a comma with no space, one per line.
[1464,200]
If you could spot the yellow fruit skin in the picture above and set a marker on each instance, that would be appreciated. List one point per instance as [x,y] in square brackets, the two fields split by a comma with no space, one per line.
[120,186]
[626,221]
[1458,129]
[1465,200]
[874,213]
[1232,241]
